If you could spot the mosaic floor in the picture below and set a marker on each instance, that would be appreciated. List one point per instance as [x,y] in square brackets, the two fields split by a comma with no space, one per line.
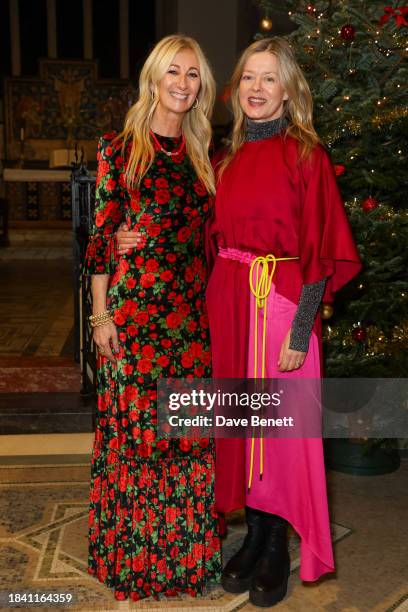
[43,542]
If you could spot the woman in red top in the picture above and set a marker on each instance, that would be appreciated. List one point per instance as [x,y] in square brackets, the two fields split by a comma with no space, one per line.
[277,200]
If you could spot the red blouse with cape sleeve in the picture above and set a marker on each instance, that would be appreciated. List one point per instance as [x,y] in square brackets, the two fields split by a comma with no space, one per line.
[327,248]
[210,238]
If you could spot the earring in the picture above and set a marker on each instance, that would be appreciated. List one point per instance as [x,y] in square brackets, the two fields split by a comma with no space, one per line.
[196,103]
[152,94]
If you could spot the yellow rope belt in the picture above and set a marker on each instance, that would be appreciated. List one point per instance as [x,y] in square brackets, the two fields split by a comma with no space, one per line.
[261,291]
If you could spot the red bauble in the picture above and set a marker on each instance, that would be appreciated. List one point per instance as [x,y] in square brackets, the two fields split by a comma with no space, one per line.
[348,32]
[339,169]
[225,94]
[359,334]
[369,204]
[311,9]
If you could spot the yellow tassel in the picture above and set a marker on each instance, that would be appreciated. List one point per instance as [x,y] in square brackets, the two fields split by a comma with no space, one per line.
[251,464]
[261,292]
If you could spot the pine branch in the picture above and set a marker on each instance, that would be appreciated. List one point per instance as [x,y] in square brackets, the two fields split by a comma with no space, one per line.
[387,75]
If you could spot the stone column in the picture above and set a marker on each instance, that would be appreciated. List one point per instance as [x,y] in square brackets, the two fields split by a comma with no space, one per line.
[214,24]
[124,38]
[166,17]
[88,32]
[15,38]
[52,28]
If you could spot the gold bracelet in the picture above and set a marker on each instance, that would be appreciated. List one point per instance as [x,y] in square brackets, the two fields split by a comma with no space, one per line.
[100,315]
[101,322]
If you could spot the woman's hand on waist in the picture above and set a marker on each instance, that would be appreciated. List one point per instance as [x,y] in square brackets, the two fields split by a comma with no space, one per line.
[127,239]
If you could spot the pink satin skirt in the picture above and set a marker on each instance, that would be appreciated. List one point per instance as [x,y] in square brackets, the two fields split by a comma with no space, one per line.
[293,485]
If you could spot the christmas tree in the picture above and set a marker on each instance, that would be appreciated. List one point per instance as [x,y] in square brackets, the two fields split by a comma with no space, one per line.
[352,53]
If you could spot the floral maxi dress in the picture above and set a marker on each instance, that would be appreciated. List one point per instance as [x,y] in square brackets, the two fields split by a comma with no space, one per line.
[152,521]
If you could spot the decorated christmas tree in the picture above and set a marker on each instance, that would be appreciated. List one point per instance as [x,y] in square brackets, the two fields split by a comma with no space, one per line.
[352,53]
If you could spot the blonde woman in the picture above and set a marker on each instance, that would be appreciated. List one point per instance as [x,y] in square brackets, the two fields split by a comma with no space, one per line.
[152,518]
[279,234]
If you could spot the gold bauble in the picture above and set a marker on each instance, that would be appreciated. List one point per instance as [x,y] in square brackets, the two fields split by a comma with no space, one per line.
[266,24]
[326,311]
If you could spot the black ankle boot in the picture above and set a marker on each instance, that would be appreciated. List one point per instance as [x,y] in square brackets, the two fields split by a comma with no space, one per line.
[270,579]
[237,574]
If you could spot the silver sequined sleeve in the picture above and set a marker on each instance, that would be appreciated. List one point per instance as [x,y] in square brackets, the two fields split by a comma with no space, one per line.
[302,325]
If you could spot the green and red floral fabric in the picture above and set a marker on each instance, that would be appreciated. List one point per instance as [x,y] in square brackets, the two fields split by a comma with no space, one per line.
[152,521]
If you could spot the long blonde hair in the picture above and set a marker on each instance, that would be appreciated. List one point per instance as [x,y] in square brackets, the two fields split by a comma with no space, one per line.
[196,126]
[298,109]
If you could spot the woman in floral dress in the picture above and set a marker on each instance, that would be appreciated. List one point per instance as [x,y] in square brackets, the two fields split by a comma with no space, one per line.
[152,521]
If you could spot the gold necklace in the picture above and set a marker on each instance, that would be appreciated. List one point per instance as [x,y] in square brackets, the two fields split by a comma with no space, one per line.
[169,153]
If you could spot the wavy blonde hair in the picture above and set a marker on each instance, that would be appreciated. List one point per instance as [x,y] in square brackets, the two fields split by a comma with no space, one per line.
[196,125]
[298,109]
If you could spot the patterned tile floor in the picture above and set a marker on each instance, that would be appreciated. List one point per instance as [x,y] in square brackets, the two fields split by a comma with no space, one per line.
[43,540]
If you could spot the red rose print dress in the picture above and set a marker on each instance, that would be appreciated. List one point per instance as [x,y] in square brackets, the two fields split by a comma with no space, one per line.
[152,522]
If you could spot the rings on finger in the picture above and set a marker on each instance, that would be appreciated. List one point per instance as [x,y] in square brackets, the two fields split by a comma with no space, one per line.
[101,349]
